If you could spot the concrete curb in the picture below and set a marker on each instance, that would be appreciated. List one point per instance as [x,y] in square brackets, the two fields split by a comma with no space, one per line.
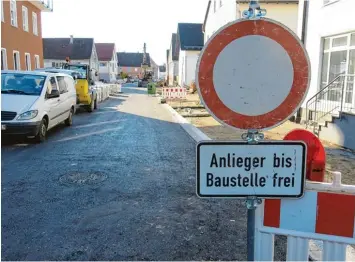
[193,131]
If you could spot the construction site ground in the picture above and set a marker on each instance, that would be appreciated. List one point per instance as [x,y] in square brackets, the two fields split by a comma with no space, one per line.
[338,159]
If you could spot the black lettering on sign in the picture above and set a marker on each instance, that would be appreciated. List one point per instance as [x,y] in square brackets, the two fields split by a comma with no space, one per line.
[217,182]
[288,162]
[274,178]
[214,161]
[282,161]
[233,181]
[283,181]
[262,181]
[209,179]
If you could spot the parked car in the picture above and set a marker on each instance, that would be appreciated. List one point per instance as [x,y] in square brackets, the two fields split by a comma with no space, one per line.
[85,91]
[33,102]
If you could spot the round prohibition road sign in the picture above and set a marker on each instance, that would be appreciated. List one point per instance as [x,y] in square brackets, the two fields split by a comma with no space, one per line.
[253,74]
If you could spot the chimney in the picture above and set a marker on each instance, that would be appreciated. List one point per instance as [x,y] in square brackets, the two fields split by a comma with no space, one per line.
[71,39]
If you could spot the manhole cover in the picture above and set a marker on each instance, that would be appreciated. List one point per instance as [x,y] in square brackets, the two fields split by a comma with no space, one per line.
[82,178]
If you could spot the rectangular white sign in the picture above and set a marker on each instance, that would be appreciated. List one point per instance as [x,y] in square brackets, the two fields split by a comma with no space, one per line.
[238,169]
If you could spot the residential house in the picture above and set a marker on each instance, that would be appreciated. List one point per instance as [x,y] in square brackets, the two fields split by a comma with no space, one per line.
[108,67]
[329,38]
[78,50]
[131,63]
[162,72]
[190,43]
[221,12]
[21,34]
[173,61]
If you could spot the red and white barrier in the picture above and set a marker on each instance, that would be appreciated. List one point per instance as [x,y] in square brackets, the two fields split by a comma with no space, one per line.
[325,213]
[174,92]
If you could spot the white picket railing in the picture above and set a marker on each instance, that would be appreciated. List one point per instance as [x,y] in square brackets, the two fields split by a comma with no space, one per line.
[334,247]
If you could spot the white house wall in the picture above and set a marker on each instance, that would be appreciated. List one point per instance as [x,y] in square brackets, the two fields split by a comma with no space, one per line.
[191,60]
[94,62]
[173,71]
[286,14]
[223,15]
[187,67]
[229,11]
[324,21]
[182,68]
[109,71]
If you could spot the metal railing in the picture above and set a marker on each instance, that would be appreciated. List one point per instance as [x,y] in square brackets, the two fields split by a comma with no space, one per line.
[335,97]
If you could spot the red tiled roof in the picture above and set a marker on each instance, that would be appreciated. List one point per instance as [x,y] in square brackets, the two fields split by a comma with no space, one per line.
[104,51]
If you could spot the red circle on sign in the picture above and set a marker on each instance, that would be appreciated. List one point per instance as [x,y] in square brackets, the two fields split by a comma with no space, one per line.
[241,28]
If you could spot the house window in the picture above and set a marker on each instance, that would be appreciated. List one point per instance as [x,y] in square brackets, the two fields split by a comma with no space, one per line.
[34,23]
[2,11]
[37,65]
[13,12]
[28,61]
[339,59]
[103,64]
[25,18]
[16,57]
[3,59]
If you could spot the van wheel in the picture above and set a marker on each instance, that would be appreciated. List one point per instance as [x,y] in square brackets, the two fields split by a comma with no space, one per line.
[95,104]
[42,133]
[91,106]
[69,120]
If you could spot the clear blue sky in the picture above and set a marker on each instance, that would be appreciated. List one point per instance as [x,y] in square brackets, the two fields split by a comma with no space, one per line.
[128,23]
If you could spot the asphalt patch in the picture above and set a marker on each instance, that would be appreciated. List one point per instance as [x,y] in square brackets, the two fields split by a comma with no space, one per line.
[82,178]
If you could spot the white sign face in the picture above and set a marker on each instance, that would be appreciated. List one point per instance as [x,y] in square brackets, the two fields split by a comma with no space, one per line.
[237,169]
[258,89]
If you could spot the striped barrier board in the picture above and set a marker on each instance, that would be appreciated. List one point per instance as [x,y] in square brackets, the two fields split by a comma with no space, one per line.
[325,214]
[317,212]
[174,92]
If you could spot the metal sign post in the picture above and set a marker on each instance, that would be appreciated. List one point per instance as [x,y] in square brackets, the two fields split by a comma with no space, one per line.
[252,74]
[252,137]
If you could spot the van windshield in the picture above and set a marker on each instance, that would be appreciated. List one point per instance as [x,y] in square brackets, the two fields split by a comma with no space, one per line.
[81,70]
[22,84]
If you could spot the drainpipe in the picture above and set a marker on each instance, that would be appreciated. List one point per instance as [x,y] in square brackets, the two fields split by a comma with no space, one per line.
[303,39]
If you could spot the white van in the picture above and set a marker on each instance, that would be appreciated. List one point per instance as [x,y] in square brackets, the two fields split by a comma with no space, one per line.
[34,102]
